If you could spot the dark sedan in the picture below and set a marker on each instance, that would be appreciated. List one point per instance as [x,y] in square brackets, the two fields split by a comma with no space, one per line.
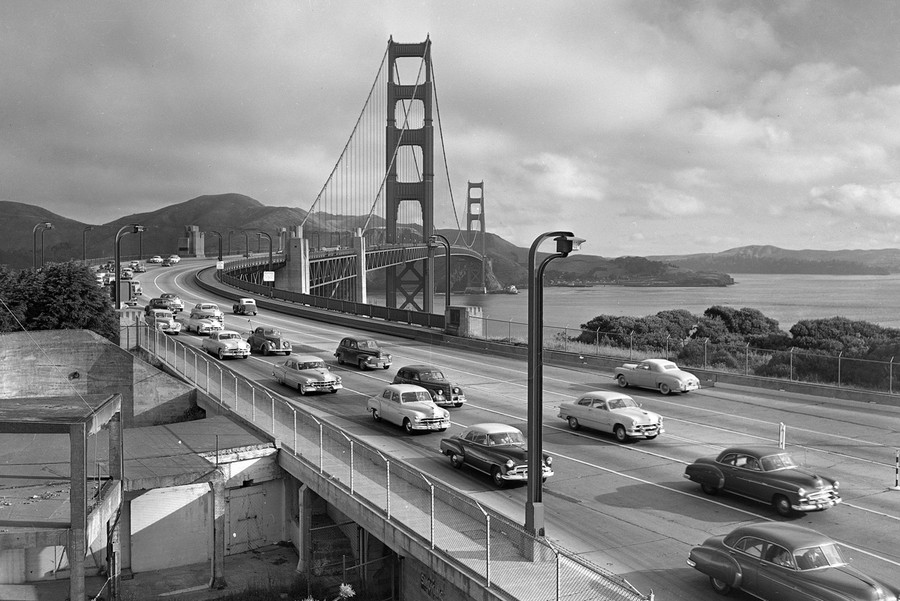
[444,393]
[362,352]
[781,562]
[767,474]
[495,449]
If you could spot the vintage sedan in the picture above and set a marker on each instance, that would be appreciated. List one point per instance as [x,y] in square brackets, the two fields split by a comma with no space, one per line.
[201,322]
[175,300]
[226,343]
[362,352]
[173,259]
[307,374]
[444,393]
[784,562]
[162,320]
[244,306]
[495,449]
[659,374]
[158,303]
[410,407]
[612,412]
[155,259]
[212,308]
[767,474]
[269,340]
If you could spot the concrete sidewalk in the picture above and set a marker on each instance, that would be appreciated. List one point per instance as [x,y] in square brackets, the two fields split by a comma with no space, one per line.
[270,566]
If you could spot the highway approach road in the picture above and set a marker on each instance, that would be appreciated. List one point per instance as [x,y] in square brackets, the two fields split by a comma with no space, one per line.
[626,507]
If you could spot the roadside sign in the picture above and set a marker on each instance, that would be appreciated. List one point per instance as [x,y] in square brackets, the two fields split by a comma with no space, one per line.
[220,264]
[268,276]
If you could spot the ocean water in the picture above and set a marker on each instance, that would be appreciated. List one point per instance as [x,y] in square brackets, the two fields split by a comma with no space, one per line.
[785,298]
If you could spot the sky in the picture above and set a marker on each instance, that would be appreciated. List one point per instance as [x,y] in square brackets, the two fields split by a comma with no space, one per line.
[645,127]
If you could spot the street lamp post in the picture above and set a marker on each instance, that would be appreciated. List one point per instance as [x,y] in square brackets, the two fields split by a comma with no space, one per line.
[134,229]
[84,232]
[446,243]
[269,238]
[220,242]
[246,243]
[44,225]
[566,242]
[229,241]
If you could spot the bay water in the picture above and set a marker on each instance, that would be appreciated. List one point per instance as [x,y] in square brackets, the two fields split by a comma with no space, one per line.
[785,298]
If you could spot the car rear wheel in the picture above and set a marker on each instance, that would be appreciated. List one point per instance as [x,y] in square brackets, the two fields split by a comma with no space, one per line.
[375,415]
[407,425]
[340,359]
[573,423]
[619,432]
[456,460]
[710,489]
[497,477]
[622,382]
[782,505]
[720,586]
[664,388]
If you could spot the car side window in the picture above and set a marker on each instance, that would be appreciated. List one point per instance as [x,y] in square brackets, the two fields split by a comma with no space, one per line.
[469,436]
[751,546]
[481,439]
[729,459]
[747,462]
[584,402]
[779,556]
[600,405]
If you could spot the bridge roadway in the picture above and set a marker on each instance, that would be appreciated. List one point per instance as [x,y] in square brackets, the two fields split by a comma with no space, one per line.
[624,507]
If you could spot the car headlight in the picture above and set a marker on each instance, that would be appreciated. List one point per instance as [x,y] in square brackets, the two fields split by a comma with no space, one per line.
[510,464]
[456,390]
[801,491]
[548,460]
[310,381]
[337,379]
[836,485]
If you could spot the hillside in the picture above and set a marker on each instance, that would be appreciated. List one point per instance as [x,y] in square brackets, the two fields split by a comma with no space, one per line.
[235,212]
[771,259]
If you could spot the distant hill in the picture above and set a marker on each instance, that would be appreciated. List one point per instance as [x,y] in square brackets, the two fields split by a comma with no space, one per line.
[774,260]
[236,212]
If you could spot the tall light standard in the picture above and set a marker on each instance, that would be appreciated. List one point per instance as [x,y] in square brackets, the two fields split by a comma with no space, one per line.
[269,238]
[131,228]
[84,232]
[220,242]
[246,243]
[44,225]
[431,241]
[566,242]
[229,241]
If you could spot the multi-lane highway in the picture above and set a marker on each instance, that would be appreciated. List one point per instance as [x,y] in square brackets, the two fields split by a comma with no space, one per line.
[626,507]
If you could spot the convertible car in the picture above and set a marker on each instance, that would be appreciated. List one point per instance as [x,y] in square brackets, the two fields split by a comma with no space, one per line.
[784,562]
[767,474]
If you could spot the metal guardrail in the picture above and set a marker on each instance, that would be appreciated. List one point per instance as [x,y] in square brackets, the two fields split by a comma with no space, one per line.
[467,535]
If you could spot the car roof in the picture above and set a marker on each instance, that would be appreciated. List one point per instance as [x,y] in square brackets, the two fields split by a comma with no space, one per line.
[247,300]
[305,358]
[604,395]
[420,367]
[658,361]
[757,450]
[491,428]
[406,388]
[229,332]
[785,534]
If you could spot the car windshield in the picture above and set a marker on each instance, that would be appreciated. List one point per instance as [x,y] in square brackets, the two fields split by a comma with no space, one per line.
[271,333]
[368,344]
[415,396]
[163,315]
[822,556]
[431,376]
[621,403]
[506,438]
[669,366]
[313,365]
[229,336]
[781,461]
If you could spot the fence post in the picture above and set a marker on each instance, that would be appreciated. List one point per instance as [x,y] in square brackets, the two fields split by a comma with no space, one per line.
[234,375]
[253,406]
[782,435]
[891,376]
[667,346]
[509,331]
[273,415]
[705,345]
[747,360]
[295,431]
[791,372]
[896,485]
[387,487]
[597,338]
[841,354]
[631,345]
[566,339]
[431,510]
[487,536]
[558,570]
[221,384]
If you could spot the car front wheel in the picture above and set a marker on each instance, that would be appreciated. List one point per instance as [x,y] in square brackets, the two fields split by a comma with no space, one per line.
[664,388]
[720,586]
[497,477]
[407,425]
[573,423]
[782,505]
[620,433]
[221,355]
[265,350]
[622,382]
[300,389]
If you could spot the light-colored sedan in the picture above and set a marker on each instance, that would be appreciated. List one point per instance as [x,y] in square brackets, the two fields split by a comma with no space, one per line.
[410,407]
[162,320]
[612,412]
[306,373]
[226,343]
[658,374]
[200,322]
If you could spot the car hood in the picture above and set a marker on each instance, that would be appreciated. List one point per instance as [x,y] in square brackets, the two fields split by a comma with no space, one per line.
[801,477]
[230,343]
[429,409]
[638,415]
[320,374]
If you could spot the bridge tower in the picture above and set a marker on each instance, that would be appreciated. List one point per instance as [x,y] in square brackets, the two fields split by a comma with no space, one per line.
[409,153]
[475,217]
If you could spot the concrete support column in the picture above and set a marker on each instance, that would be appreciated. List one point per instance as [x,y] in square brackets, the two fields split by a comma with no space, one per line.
[295,274]
[114,526]
[77,509]
[360,291]
[217,537]
[125,538]
[304,524]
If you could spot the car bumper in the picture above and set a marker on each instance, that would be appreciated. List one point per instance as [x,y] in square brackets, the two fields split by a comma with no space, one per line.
[431,425]
[816,504]
[375,363]
[321,387]
[688,387]
[234,352]
[522,476]
[455,401]
[644,431]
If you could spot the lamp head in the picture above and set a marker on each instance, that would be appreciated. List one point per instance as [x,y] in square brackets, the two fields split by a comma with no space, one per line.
[568,244]
[137,229]
[47,225]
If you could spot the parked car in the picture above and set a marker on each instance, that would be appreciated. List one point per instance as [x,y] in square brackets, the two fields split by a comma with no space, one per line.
[444,393]
[362,352]
[158,303]
[226,343]
[200,322]
[155,259]
[211,308]
[307,374]
[173,259]
[162,320]
[659,374]
[269,340]
[774,561]
[175,300]
[767,474]
[408,406]
[244,306]
[612,412]
[495,449]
